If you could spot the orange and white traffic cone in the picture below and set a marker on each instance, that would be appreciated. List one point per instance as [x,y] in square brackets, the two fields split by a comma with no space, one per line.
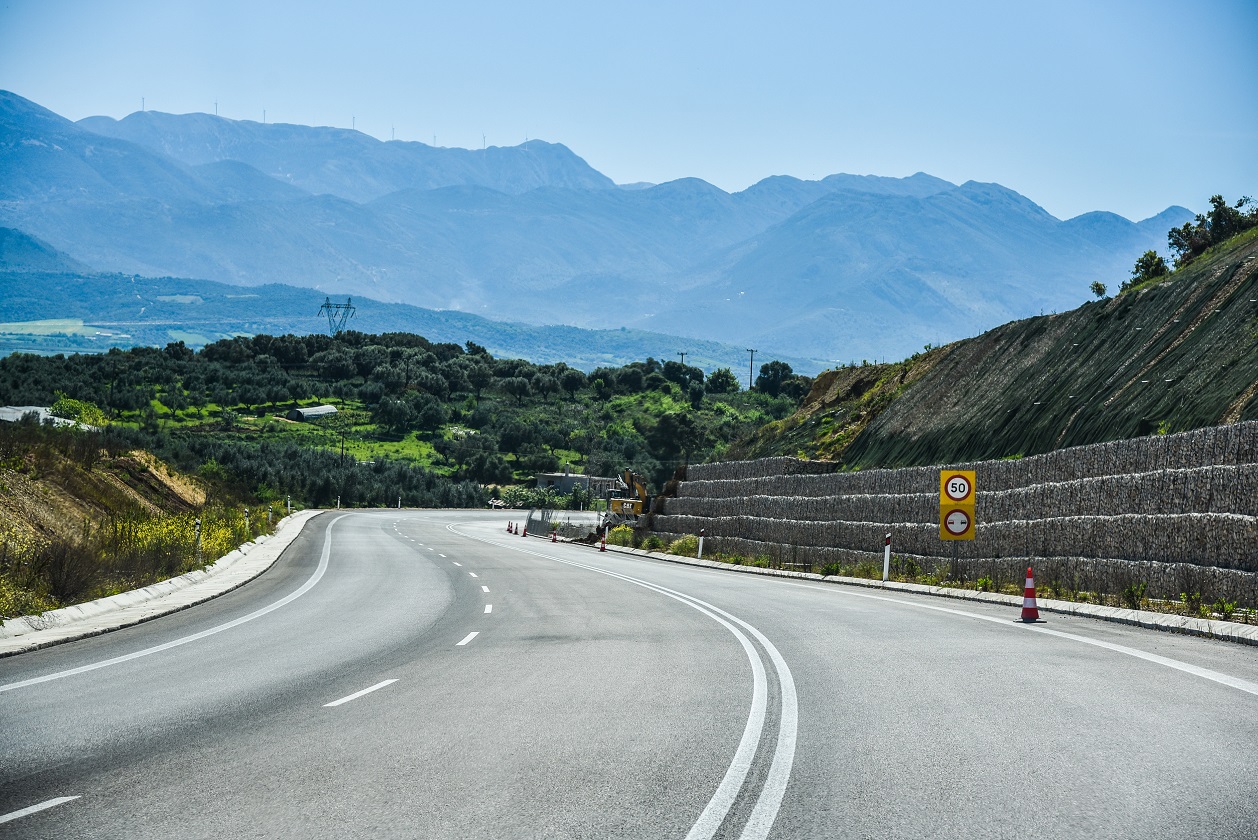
[554,536]
[1030,612]
[602,544]
[508,527]
[525,532]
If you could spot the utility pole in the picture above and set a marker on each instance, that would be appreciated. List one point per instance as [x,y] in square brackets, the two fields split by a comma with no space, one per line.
[751,367]
[683,356]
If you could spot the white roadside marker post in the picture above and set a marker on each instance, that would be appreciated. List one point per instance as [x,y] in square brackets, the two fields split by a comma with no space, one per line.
[702,533]
[886,559]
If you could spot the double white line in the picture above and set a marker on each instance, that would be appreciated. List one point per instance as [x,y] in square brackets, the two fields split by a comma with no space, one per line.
[769,800]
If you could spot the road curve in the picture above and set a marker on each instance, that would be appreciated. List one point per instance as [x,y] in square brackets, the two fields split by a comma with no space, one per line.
[425,674]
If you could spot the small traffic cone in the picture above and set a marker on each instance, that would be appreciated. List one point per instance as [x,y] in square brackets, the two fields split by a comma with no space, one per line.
[508,527]
[525,532]
[602,544]
[1030,612]
[554,536]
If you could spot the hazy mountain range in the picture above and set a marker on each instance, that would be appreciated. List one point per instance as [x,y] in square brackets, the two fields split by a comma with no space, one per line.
[847,267]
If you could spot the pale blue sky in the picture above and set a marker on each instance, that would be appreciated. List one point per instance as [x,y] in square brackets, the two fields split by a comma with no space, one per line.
[1123,106]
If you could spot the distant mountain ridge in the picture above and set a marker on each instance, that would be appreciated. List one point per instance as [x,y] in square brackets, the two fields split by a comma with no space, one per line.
[348,163]
[843,268]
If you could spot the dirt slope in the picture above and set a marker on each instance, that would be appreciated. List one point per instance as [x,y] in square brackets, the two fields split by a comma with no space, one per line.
[1175,355]
[45,491]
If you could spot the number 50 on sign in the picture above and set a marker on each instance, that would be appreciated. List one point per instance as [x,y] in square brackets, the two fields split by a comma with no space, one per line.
[956,487]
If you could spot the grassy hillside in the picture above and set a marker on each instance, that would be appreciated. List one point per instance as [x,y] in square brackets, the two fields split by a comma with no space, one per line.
[430,422]
[82,517]
[64,310]
[1173,354]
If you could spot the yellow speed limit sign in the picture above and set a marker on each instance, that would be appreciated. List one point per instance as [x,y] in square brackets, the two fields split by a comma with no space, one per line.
[956,487]
[957,493]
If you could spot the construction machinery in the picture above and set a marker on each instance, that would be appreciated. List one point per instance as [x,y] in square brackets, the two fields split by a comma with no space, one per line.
[628,503]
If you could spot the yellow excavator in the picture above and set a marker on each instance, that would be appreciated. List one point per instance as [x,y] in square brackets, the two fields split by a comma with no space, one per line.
[635,502]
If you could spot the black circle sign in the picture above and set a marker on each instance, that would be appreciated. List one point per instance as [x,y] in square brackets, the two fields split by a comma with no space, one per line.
[957,488]
[957,522]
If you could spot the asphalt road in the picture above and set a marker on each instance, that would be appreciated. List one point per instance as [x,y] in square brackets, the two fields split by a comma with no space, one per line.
[425,674]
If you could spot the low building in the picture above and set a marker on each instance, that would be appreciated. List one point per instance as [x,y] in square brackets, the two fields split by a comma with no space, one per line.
[314,412]
[564,482]
[14,413]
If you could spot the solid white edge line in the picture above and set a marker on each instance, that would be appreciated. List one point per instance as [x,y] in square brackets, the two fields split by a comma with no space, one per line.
[1195,670]
[34,809]
[468,638]
[774,788]
[287,599]
[358,694]
[489,608]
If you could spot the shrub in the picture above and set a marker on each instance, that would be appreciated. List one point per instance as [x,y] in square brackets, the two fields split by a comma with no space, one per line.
[687,546]
[18,600]
[620,535]
[1224,608]
[1133,595]
[653,542]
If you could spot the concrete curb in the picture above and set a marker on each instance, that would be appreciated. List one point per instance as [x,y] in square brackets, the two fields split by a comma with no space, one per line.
[1228,631]
[231,571]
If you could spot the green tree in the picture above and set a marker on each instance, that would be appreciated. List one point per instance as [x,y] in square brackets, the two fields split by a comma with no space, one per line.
[1148,267]
[795,387]
[695,394]
[518,387]
[544,385]
[771,377]
[1098,288]
[723,381]
[479,375]
[572,380]
[80,411]
[393,414]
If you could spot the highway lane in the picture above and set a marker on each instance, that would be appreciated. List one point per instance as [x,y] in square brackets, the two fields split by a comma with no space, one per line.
[575,711]
[609,696]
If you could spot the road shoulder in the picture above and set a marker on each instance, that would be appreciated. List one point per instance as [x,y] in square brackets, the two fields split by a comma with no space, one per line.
[233,570]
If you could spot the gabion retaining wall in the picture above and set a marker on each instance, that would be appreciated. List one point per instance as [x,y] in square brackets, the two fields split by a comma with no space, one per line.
[1176,512]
